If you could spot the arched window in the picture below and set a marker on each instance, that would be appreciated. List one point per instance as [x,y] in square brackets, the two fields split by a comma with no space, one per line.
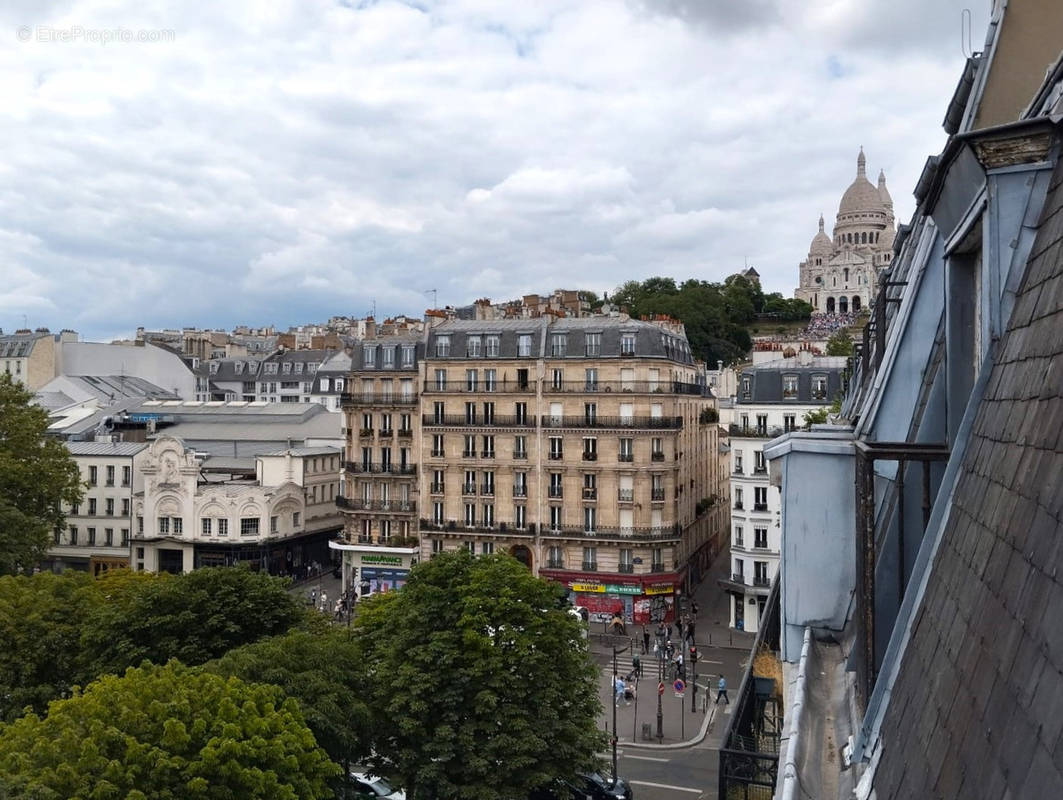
[846,274]
[863,238]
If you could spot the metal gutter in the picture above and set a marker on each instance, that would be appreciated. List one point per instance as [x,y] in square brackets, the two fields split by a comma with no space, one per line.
[791,781]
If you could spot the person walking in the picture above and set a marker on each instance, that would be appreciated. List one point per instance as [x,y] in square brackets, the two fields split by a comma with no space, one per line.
[645,641]
[313,597]
[636,662]
[324,602]
[721,691]
[618,689]
[694,610]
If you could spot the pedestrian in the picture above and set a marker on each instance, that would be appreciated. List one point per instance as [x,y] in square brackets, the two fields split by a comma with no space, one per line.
[313,597]
[694,610]
[636,662]
[721,691]
[660,633]
[657,651]
[669,630]
[690,633]
[645,641]
[679,630]
[618,689]
[324,602]
[669,649]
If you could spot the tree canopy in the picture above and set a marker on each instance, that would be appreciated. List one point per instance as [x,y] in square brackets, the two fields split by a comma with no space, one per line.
[717,316]
[480,683]
[840,344]
[165,732]
[37,474]
[322,670]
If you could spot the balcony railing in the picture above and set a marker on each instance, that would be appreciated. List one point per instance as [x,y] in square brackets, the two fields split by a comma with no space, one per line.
[357,399]
[589,456]
[738,577]
[464,421]
[380,469]
[625,458]
[438,453]
[487,454]
[348,504]
[590,566]
[760,506]
[761,580]
[625,568]
[555,491]
[758,432]
[468,488]
[647,423]
[739,506]
[468,454]
[437,488]
[656,456]
[386,433]
[632,387]
[520,491]
[461,387]
[487,489]
[658,567]
[554,564]
[590,493]
[521,454]
[556,456]
[500,528]
[760,470]
[657,495]
[625,495]
[646,534]
[405,433]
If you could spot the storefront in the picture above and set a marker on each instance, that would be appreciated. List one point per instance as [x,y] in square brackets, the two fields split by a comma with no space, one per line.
[638,599]
[370,569]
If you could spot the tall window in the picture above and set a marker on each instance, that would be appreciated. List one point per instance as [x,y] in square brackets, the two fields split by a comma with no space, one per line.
[407,355]
[593,345]
[489,515]
[590,380]
[387,357]
[223,527]
[590,519]
[556,448]
[555,518]
[627,344]
[789,387]
[819,386]
[441,380]
[442,346]
[590,448]
[520,446]
[521,410]
[760,538]
[472,346]
[524,345]
[789,422]
[437,445]
[110,475]
[127,475]
[556,557]
[590,558]
[520,517]
[739,541]
[558,345]
[491,346]
[738,498]
[437,513]
[557,379]
[249,526]
[471,380]
[470,515]
[489,447]
[469,450]
[760,498]
[490,380]
[369,356]
[627,450]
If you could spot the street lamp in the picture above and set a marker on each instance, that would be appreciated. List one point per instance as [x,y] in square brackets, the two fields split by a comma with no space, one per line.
[615,701]
[660,680]
[693,676]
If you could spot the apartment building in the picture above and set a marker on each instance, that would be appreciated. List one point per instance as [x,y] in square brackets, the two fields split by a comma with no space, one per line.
[577,445]
[380,485]
[772,399]
[97,532]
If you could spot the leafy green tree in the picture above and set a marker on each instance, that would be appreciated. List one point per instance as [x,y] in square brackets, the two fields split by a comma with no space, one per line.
[323,671]
[815,417]
[192,617]
[165,732]
[37,474]
[40,637]
[840,344]
[481,685]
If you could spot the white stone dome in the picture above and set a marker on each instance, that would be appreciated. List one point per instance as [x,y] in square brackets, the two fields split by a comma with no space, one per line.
[821,243]
[862,196]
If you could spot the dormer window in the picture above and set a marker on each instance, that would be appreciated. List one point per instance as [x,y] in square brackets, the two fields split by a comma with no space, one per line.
[387,355]
[325,382]
[442,346]
[238,367]
[789,387]
[819,387]
[298,367]
[472,346]
[407,355]
[369,356]
[311,367]
[214,368]
[491,346]
[747,389]
[558,345]
[287,368]
[627,344]
[252,367]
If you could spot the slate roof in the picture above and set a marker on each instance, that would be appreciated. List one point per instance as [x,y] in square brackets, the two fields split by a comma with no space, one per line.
[977,709]
[105,448]
[18,345]
[766,381]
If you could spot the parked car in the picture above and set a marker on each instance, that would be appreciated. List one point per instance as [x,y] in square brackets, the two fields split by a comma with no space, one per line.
[601,788]
[364,786]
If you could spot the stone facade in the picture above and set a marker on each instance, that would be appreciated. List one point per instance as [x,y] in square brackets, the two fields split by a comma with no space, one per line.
[841,272]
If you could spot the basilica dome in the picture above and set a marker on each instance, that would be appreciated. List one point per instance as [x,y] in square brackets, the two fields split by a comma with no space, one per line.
[862,196]
[821,243]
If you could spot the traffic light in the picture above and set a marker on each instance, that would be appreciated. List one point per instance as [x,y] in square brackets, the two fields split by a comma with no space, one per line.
[693,654]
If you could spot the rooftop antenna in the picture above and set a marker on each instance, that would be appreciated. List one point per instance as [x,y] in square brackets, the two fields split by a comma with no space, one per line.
[435,297]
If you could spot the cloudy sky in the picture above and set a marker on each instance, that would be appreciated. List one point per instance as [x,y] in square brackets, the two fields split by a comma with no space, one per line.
[282,162]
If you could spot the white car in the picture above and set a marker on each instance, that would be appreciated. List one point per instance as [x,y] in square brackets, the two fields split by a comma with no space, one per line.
[376,787]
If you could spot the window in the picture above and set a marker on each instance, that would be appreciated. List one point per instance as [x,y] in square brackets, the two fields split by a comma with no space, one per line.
[469,487]
[762,424]
[555,557]
[407,355]
[520,484]
[738,537]
[738,498]
[470,413]
[819,387]
[555,518]
[125,506]
[590,449]
[442,346]
[73,534]
[249,526]
[125,537]
[555,490]
[91,533]
[178,526]
[491,346]
[760,538]
[471,376]
[657,564]
[558,345]
[524,345]
[298,367]
[520,446]
[208,527]
[590,519]
[760,498]
[590,413]
[437,546]
[760,573]
[738,462]
[472,346]
[626,492]
[789,387]
[487,548]
[789,422]
[387,355]
[488,516]
[521,410]
[127,475]
[437,513]
[470,515]
[441,380]
[93,476]
[520,517]
[747,388]
[437,445]
[273,522]
[469,450]
[759,467]
[385,423]
[489,447]
[556,448]
[557,379]
[439,412]
[593,345]
[627,452]
[590,559]
[627,344]
[590,380]
[367,423]
[627,564]
[164,525]
[110,475]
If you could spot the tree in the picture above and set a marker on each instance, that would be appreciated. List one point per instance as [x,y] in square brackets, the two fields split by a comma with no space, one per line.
[37,475]
[40,638]
[322,670]
[165,732]
[815,417]
[839,344]
[192,617]
[481,684]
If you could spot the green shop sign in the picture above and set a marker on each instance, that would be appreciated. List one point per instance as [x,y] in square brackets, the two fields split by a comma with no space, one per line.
[611,588]
[395,561]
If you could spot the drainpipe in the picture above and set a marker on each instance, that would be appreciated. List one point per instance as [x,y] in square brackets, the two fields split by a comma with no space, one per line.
[790,778]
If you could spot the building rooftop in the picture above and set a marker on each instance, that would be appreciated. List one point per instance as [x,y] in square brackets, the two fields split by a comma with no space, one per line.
[105,448]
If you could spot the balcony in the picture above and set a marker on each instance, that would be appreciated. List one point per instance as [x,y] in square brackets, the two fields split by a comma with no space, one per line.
[365,433]
[625,495]
[590,493]
[626,568]
[468,454]
[739,506]
[437,488]
[760,470]
[355,400]
[494,387]
[487,489]
[463,421]
[380,469]
[438,453]
[589,456]
[468,488]
[657,495]
[386,433]
[625,458]
[738,577]
[487,454]
[556,456]
[762,581]
[590,566]
[555,564]
[759,432]
[760,506]
[647,534]
[521,454]
[646,423]
[520,491]
[348,504]
[555,491]
[656,456]
[405,433]
[658,567]
[739,471]
[624,387]
[456,526]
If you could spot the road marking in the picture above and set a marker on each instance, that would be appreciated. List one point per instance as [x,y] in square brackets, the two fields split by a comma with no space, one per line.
[665,786]
[649,758]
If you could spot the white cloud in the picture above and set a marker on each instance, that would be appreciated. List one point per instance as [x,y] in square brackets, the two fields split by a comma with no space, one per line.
[284,162]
